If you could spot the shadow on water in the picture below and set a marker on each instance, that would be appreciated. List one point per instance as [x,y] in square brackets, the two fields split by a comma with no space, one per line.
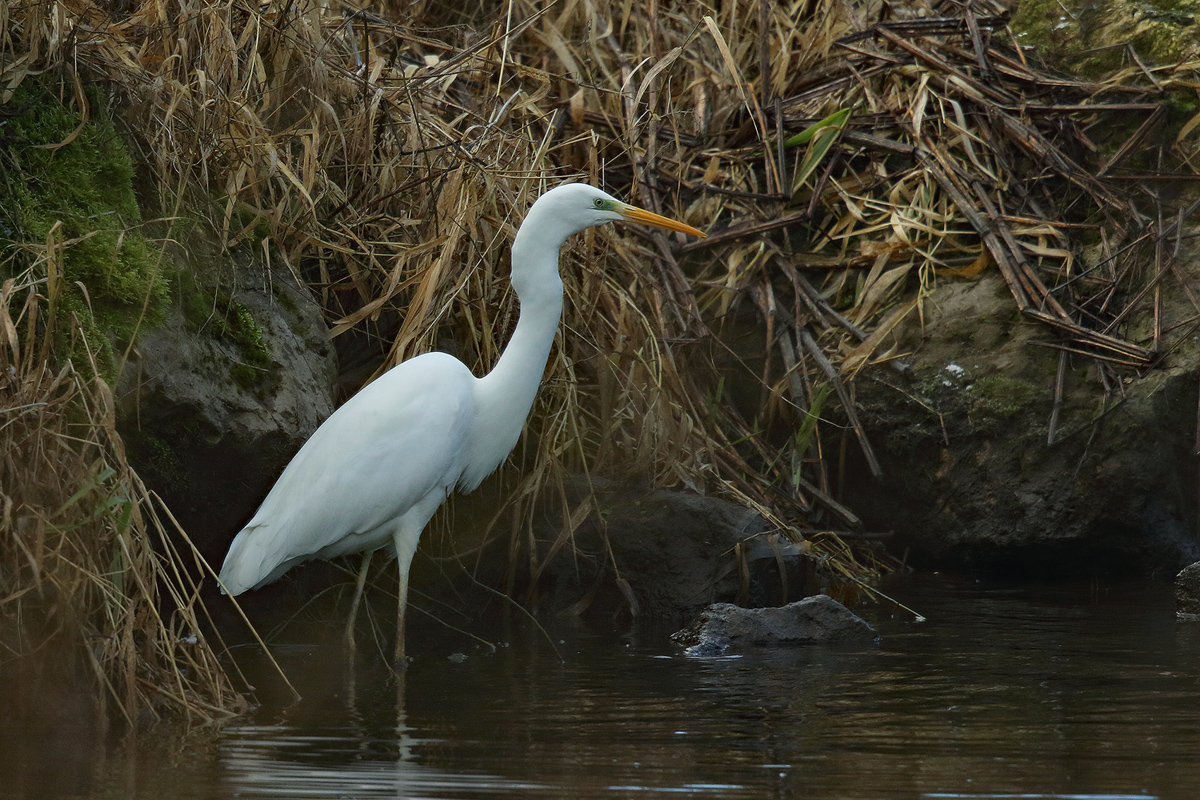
[1075,691]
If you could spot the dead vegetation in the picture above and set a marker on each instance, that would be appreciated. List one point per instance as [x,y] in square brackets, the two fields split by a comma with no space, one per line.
[85,558]
[388,153]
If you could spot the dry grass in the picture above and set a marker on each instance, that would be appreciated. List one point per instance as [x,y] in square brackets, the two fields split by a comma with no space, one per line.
[391,158]
[84,557]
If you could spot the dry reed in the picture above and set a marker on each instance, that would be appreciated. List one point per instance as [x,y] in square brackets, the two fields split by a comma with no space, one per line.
[86,567]
[391,157]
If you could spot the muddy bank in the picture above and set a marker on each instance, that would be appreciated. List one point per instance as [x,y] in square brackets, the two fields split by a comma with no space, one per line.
[960,425]
[972,479]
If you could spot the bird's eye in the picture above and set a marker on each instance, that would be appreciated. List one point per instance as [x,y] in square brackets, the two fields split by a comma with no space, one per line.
[598,203]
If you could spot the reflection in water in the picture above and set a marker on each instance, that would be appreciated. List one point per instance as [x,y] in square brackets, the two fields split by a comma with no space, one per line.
[1003,693]
[271,761]
[1027,796]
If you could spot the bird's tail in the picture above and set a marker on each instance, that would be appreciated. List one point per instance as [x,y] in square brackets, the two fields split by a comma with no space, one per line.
[243,565]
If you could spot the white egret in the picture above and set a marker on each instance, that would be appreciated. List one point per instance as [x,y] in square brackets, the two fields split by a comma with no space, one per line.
[376,470]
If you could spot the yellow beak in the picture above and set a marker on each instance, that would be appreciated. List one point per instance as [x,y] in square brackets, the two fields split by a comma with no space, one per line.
[635,214]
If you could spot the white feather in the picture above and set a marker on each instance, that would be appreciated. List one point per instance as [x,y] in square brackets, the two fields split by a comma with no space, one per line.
[374,473]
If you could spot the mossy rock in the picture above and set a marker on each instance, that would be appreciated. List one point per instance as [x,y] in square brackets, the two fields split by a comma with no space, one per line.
[211,308]
[69,180]
[1088,38]
[216,399]
[974,480]
[1002,397]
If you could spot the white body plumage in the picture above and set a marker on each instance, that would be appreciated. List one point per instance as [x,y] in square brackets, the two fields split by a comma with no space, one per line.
[377,469]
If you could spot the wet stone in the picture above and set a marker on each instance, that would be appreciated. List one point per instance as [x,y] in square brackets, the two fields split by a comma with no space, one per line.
[814,620]
[1187,593]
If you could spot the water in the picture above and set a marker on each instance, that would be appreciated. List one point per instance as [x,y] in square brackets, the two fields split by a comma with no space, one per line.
[1075,692]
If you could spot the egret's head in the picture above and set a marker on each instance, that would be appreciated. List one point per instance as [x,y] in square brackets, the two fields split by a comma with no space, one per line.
[572,207]
[559,213]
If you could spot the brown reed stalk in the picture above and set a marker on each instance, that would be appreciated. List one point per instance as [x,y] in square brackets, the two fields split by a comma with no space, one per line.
[83,566]
[391,159]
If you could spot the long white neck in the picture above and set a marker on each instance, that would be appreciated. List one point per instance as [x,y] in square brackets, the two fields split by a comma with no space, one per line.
[505,395]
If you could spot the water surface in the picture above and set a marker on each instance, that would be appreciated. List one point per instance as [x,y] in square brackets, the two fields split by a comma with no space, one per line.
[1081,691]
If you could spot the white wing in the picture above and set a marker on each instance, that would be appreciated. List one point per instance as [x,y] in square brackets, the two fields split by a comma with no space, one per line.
[396,442]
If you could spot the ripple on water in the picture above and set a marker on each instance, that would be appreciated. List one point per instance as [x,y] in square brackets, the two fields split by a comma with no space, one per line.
[1075,692]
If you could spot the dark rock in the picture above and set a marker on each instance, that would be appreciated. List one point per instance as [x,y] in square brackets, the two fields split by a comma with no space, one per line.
[667,554]
[216,400]
[970,481]
[1187,593]
[813,620]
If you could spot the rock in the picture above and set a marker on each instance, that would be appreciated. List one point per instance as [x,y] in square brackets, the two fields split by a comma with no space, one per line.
[1082,36]
[814,620]
[674,553]
[216,400]
[969,479]
[1187,593]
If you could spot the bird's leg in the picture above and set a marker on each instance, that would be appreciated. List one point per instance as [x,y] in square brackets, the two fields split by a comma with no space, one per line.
[401,662]
[404,540]
[358,593]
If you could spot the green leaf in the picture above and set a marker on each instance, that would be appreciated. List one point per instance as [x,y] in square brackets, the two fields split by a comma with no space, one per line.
[819,138]
[804,434]
[836,120]
[822,141]
[88,487]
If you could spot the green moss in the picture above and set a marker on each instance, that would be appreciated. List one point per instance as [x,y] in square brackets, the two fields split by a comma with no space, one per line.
[1089,38]
[285,299]
[156,456]
[237,325]
[1001,397]
[83,191]
[243,217]
[213,310]
[1182,105]
[1050,26]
